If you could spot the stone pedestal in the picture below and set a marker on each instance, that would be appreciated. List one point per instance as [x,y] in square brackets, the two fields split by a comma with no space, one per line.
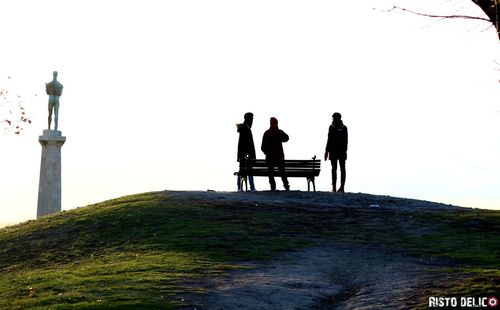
[49,189]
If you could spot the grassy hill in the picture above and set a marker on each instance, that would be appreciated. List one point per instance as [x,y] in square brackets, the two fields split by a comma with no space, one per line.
[147,251]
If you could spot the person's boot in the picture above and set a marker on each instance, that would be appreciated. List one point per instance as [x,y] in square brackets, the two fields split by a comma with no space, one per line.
[287,187]
[334,188]
[341,189]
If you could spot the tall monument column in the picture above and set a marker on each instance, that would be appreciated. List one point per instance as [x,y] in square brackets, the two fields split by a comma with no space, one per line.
[49,188]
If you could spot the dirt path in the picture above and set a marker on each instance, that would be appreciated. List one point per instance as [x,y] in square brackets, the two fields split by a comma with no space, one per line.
[331,275]
[326,277]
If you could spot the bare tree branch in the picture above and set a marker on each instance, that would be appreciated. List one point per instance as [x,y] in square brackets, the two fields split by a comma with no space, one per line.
[489,7]
[441,16]
[13,116]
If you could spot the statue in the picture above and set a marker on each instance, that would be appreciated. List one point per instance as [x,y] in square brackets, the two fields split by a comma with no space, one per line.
[54,90]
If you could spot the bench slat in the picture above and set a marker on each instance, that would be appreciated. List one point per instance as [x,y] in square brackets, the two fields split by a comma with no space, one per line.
[288,161]
[263,163]
[278,174]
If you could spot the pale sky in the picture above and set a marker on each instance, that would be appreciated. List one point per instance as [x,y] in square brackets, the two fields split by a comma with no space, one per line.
[153,90]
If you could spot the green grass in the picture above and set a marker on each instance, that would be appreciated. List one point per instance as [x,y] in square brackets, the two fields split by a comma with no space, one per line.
[468,236]
[147,251]
[117,280]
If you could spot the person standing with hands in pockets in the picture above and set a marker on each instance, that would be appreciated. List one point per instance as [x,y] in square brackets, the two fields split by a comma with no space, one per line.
[246,148]
[336,149]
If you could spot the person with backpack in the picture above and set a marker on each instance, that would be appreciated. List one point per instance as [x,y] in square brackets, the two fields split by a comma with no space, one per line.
[336,150]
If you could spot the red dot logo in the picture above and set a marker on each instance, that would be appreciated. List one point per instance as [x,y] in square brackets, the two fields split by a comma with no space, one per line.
[492,302]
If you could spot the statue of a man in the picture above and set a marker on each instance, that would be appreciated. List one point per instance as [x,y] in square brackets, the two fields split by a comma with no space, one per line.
[54,90]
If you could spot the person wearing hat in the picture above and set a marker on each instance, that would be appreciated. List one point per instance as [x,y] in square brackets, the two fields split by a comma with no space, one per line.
[336,149]
[272,146]
[246,148]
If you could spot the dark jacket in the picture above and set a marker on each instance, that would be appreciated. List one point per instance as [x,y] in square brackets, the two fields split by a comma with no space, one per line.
[337,140]
[272,143]
[245,142]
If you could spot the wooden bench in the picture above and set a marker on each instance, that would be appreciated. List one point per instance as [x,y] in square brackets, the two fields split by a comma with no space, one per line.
[308,169]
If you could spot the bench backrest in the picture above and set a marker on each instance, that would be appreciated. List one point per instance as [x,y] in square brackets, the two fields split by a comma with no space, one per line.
[293,167]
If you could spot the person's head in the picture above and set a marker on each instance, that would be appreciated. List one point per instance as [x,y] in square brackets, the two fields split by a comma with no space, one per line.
[337,119]
[248,118]
[274,122]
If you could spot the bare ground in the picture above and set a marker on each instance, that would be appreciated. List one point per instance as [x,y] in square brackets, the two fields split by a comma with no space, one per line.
[328,276]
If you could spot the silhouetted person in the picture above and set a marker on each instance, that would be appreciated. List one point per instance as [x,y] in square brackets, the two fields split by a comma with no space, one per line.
[272,146]
[336,147]
[246,148]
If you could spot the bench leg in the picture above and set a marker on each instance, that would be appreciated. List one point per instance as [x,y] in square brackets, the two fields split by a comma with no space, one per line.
[243,180]
[309,181]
